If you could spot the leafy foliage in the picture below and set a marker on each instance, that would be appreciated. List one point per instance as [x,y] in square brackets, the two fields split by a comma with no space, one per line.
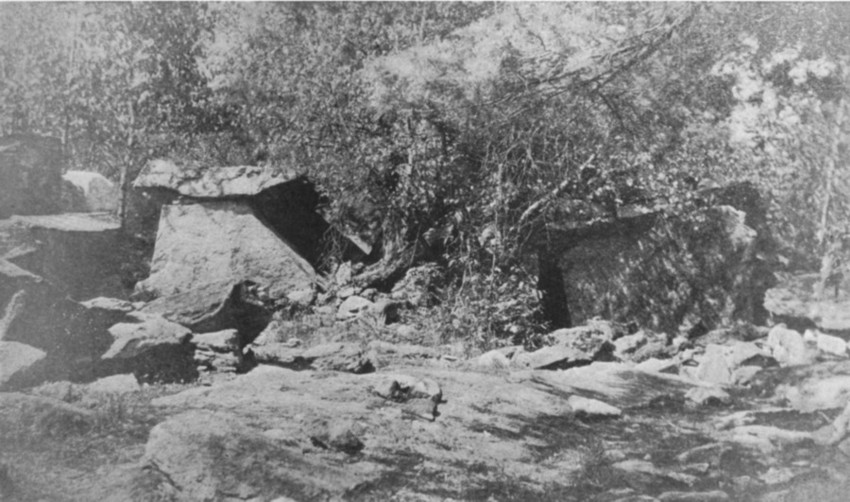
[458,132]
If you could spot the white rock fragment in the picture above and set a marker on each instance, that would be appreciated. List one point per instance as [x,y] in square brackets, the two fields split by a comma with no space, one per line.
[593,407]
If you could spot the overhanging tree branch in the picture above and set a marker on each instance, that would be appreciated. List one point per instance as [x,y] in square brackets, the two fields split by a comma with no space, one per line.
[534,209]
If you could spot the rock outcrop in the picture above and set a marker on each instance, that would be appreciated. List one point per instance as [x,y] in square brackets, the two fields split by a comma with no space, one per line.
[661,270]
[222,242]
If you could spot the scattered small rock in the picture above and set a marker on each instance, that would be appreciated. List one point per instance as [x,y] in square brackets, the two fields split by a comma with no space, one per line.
[583,406]
[492,360]
[353,306]
[708,396]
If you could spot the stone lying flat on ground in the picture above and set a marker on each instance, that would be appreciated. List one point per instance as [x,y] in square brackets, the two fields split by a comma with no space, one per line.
[719,363]
[340,435]
[501,420]
[17,360]
[224,341]
[710,496]
[766,437]
[829,344]
[553,358]
[109,305]
[215,306]
[222,241]
[193,449]
[35,416]
[592,407]
[569,347]
[412,391]
[115,384]
[495,359]
[707,396]
[134,339]
[353,306]
[618,384]
[345,357]
[659,365]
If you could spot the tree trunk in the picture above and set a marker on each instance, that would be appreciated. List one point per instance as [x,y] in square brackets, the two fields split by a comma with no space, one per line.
[550,282]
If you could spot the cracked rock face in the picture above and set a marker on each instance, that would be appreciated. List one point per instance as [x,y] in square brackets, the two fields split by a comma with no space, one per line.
[222,242]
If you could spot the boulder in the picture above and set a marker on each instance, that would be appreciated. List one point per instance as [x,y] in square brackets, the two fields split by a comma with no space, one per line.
[18,363]
[220,242]
[338,435]
[713,271]
[719,363]
[421,396]
[97,192]
[217,306]
[286,202]
[788,347]
[150,331]
[828,344]
[353,306]
[30,175]
[152,348]
[568,347]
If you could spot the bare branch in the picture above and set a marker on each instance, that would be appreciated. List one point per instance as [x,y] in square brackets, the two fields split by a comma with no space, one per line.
[534,209]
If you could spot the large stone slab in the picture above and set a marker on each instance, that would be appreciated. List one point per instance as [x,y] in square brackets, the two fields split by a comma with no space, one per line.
[195,180]
[215,455]
[660,271]
[222,241]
